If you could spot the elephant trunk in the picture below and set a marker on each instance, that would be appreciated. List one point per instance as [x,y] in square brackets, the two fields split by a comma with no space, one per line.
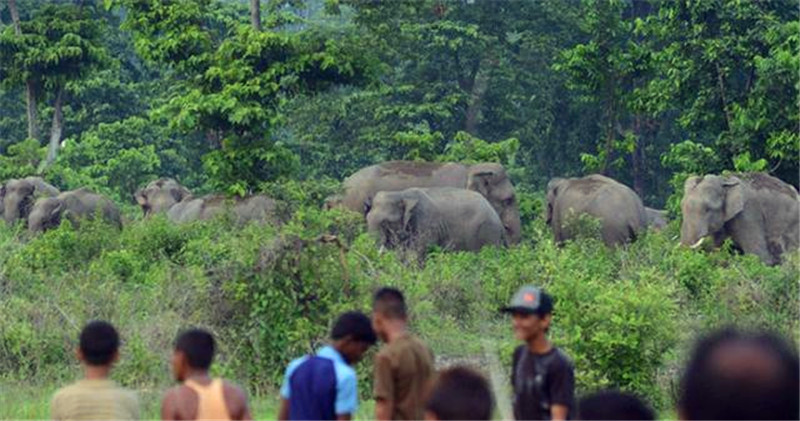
[11,213]
[692,236]
[513,225]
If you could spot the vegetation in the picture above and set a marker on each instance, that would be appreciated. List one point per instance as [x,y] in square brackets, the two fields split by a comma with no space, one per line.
[647,92]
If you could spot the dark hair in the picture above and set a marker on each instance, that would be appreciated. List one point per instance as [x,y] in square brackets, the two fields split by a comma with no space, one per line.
[99,341]
[460,393]
[734,375]
[390,302]
[614,405]
[198,346]
[356,325]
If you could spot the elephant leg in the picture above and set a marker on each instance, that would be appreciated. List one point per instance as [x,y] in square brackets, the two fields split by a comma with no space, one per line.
[749,235]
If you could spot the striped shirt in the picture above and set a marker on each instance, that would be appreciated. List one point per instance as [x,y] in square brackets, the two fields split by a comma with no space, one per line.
[94,400]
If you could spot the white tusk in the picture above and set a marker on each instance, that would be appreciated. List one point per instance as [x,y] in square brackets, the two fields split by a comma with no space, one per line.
[698,243]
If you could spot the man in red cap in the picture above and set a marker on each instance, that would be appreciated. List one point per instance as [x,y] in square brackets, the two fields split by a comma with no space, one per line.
[542,375]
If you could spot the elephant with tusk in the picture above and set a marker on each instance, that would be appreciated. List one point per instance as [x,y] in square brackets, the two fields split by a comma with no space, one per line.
[760,213]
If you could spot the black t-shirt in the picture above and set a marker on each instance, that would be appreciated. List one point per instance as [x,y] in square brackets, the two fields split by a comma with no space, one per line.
[540,381]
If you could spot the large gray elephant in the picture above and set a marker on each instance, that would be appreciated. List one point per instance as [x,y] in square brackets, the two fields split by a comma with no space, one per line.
[75,205]
[488,179]
[758,212]
[656,218]
[620,210]
[417,218]
[18,195]
[168,196]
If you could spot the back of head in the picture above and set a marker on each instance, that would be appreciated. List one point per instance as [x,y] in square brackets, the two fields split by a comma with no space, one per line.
[198,346]
[733,375]
[460,393]
[390,303]
[355,325]
[613,405]
[99,343]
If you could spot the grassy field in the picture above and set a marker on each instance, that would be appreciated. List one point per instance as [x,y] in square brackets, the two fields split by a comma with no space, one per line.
[626,316]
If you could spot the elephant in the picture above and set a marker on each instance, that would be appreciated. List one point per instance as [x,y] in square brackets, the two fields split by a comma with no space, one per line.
[168,196]
[17,197]
[758,212]
[488,179]
[620,210]
[75,205]
[417,218]
[656,218]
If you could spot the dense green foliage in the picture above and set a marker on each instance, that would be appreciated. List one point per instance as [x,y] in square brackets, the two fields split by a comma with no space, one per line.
[647,92]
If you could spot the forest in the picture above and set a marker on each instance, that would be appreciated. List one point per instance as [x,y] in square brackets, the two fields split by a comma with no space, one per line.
[287,98]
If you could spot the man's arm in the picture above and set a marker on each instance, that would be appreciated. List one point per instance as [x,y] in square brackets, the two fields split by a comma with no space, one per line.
[383,388]
[283,412]
[169,407]
[344,417]
[238,406]
[562,390]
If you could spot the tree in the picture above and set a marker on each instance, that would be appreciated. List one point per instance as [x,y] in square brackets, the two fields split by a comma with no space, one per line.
[57,46]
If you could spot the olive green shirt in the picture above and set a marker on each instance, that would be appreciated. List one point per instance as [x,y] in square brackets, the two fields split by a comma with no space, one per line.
[94,400]
[403,371]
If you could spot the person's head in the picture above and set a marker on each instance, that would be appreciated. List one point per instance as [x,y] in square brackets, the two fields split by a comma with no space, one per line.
[99,344]
[459,393]
[388,308]
[352,335]
[531,309]
[194,351]
[735,375]
[613,405]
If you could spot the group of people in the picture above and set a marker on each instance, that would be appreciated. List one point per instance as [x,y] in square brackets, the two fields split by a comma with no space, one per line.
[730,375]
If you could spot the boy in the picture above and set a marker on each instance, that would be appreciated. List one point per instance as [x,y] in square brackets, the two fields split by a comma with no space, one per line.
[459,394]
[542,375]
[96,397]
[200,397]
[404,367]
[324,387]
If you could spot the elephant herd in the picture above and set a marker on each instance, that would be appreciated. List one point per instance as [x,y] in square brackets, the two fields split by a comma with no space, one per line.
[416,205]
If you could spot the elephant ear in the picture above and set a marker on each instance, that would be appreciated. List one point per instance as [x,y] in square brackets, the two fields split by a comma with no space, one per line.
[691,183]
[734,197]
[409,213]
[483,181]
[180,193]
[367,205]
[56,211]
[140,197]
[553,187]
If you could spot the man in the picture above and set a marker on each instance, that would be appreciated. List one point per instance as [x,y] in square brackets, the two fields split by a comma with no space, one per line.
[542,375]
[745,376]
[200,397]
[404,367]
[613,405]
[96,397]
[324,387]
[459,393]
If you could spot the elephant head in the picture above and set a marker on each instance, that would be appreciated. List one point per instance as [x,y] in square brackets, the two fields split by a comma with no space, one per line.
[46,214]
[393,216]
[19,195]
[160,195]
[708,203]
[491,181]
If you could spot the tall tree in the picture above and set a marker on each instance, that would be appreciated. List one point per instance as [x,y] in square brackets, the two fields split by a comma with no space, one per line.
[255,14]
[30,84]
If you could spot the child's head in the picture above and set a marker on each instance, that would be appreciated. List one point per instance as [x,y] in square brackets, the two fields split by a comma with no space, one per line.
[388,305]
[531,309]
[459,393]
[352,335]
[99,344]
[194,351]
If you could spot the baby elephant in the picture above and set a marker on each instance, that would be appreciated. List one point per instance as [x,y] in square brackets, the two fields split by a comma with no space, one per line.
[417,218]
[74,205]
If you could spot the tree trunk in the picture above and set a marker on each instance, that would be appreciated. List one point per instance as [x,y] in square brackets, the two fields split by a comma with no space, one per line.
[255,14]
[55,131]
[30,86]
[638,157]
[479,87]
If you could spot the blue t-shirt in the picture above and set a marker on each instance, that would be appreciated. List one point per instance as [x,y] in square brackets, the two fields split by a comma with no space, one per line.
[313,384]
